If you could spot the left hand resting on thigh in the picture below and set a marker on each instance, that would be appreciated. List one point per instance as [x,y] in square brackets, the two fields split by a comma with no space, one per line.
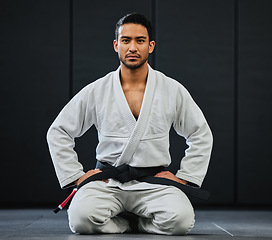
[171,176]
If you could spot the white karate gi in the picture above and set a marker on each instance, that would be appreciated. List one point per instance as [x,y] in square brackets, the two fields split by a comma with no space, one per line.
[103,104]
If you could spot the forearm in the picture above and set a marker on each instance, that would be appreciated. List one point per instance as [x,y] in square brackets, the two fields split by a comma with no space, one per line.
[64,158]
[192,125]
[194,164]
[72,122]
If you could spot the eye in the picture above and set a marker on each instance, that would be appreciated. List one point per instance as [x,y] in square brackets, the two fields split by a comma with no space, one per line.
[125,41]
[140,41]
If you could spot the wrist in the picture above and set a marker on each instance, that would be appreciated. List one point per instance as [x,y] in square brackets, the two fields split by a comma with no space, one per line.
[77,182]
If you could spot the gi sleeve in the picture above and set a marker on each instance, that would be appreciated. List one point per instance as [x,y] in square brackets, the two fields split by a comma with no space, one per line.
[72,122]
[192,125]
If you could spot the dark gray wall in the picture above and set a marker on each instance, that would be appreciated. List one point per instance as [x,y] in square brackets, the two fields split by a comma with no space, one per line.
[195,46]
[34,86]
[254,115]
[219,50]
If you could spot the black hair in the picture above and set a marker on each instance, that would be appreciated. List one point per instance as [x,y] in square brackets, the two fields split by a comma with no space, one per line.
[134,18]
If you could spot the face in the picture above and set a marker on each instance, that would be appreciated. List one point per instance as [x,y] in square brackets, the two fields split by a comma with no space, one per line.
[133,46]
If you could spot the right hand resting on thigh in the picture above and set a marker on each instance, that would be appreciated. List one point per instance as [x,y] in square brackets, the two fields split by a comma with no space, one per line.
[88,174]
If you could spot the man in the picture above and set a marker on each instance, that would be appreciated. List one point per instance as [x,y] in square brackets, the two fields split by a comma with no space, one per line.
[133,110]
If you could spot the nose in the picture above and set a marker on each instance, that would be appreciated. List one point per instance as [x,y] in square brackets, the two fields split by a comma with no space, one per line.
[133,47]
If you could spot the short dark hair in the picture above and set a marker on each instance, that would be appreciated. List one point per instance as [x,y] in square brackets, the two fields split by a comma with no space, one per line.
[134,18]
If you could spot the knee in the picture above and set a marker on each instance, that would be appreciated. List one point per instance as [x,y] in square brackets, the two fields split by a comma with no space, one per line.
[178,222]
[183,221]
[78,221]
[84,222]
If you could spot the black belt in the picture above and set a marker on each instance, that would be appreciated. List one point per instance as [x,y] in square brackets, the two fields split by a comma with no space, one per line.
[126,173]
[146,175]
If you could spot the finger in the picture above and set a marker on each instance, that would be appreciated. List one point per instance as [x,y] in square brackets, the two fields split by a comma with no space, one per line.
[159,175]
[95,170]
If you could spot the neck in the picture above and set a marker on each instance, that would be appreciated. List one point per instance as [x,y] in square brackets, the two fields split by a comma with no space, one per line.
[133,76]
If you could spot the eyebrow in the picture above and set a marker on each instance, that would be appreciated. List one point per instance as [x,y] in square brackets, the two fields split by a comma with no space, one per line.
[144,37]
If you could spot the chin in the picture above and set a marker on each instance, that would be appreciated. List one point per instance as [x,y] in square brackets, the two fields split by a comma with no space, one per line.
[134,66]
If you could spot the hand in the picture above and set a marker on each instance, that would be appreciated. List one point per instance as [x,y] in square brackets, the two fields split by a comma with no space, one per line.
[88,174]
[171,176]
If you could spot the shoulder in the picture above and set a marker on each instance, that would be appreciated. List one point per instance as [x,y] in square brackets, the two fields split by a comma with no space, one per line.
[100,82]
[97,86]
[170,83]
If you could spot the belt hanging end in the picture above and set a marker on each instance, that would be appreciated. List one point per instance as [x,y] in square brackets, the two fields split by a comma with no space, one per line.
[57,209]
[61,206]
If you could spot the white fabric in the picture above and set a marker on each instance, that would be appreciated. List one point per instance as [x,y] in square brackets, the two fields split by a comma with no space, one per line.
[162,210]
[141,124]
[103,104]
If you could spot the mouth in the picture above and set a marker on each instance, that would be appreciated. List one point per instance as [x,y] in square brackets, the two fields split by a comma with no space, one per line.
[132,56]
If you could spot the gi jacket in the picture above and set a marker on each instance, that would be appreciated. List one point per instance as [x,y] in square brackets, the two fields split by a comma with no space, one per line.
[103,104]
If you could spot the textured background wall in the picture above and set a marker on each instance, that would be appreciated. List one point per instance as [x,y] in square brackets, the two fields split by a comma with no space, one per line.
[219,50]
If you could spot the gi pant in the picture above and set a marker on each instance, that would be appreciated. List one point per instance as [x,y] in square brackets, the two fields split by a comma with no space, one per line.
[161,210]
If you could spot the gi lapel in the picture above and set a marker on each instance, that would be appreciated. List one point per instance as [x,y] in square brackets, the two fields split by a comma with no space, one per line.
[125,111]
[137,127]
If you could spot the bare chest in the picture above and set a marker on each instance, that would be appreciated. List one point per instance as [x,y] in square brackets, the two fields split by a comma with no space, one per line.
[134,99]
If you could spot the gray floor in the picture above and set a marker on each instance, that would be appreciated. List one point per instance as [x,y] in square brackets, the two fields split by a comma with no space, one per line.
[42,224]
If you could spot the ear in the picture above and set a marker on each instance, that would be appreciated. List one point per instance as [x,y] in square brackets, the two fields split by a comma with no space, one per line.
[115,45]
[151,46]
